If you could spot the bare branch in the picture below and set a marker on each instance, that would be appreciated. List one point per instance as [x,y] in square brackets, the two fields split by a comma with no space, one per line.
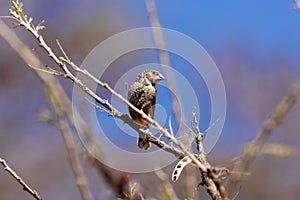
[65,129]
[20,180]
[256,145]
[210,178]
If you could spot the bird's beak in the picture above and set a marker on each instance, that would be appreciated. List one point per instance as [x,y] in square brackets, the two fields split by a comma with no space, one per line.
[160,77]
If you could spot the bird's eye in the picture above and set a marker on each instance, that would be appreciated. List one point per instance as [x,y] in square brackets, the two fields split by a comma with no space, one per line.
[148,76]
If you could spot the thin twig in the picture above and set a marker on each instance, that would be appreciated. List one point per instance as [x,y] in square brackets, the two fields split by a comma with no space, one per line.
[20,180]
[49,71]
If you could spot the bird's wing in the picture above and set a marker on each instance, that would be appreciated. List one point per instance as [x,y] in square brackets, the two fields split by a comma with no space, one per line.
[143,97]
[136,93]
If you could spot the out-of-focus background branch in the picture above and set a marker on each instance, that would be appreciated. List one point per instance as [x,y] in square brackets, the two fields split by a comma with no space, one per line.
[254,148]
[257,57]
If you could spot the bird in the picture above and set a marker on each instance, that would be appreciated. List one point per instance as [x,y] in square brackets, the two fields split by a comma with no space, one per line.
[142,94]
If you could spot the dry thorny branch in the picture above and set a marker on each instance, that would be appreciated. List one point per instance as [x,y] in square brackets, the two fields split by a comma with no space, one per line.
[211,176]
[20,180]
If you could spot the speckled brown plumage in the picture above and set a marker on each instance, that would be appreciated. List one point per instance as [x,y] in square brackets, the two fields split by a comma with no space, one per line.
[142,94]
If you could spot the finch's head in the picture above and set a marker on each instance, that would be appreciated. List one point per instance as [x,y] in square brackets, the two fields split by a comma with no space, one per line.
[151,76]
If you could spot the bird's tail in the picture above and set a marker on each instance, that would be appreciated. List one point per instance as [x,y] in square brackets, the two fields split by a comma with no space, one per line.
[143,142]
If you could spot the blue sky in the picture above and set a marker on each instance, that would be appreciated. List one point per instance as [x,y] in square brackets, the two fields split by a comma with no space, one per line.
[268,24]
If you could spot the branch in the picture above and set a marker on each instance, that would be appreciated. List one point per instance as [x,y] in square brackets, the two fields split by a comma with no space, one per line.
[67,134]
[253,149]
[211,179]
[20,180]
